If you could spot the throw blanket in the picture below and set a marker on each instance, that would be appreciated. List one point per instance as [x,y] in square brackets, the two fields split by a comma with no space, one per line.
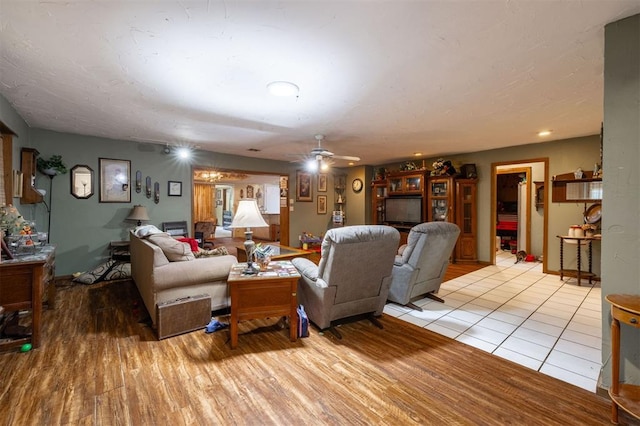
[192,242]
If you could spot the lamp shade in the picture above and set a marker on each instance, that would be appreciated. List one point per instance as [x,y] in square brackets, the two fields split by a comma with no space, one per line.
[139,214]
[248,215]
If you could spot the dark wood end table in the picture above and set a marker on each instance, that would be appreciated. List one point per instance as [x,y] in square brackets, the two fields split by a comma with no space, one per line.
[268,293]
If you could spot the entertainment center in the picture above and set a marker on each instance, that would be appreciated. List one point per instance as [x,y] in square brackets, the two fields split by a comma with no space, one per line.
[407,198]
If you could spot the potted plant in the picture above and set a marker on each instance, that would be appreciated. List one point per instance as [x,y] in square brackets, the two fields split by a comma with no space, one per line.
[53,166]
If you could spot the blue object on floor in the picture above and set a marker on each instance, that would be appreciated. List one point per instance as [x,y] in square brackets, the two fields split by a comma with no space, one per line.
[215,325]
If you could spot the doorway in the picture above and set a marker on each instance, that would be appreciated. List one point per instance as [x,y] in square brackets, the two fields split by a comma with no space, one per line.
[218,192]
[518,220]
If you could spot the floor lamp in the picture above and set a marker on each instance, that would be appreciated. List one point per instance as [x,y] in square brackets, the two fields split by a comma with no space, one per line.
[248,216]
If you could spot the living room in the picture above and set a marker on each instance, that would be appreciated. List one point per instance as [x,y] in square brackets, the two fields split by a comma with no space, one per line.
[83,228]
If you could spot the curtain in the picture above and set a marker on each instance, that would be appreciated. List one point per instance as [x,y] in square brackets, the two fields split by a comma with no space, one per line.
[203,200]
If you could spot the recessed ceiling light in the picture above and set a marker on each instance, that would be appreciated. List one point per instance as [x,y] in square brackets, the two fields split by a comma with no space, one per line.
[544,133]
[417,154]
[283,88]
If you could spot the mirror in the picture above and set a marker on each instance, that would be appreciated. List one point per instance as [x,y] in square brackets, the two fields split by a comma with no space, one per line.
[81,181]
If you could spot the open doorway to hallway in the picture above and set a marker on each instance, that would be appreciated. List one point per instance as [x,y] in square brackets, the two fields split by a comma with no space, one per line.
[519,218]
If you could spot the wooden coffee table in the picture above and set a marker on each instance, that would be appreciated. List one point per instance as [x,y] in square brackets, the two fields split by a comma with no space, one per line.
[270,293]
[284,252]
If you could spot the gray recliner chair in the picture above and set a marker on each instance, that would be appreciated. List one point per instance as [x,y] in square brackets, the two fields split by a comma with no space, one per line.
[353,275]
[420,266]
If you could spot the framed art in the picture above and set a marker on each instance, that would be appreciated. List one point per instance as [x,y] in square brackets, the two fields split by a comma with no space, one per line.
[322,204]
[115,176]
[303,186]
[322,182]
[174,188]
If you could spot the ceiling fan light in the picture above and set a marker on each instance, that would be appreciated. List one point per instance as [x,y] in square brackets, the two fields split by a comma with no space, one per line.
[312,165]
[283,88]
[324,166]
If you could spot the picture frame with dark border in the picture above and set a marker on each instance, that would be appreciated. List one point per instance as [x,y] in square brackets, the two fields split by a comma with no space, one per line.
[322,182]
[174,188]
[115,176]
[321,207]
[303,186]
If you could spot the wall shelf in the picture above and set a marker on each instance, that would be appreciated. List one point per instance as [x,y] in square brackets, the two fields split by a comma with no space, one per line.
[567,189]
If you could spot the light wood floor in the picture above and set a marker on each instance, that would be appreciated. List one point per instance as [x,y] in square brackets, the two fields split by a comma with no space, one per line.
[100,364]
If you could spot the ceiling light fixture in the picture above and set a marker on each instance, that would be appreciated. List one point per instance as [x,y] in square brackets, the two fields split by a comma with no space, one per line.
[184,153]
[283,88]
[544,133]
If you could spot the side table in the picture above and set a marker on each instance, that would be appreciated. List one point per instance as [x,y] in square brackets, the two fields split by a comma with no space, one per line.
[625,308]
[580,241]
[268,293]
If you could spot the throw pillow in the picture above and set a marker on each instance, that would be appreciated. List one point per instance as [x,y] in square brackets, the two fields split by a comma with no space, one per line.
[111,270]
[175,250]
[218,251]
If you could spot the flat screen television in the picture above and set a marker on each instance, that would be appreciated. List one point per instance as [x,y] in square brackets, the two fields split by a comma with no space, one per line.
[406,210]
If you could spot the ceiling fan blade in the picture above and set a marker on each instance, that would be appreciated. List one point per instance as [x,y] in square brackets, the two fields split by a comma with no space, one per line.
[346,157]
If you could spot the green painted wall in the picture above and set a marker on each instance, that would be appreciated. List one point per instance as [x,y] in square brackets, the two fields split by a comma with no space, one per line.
[621,204]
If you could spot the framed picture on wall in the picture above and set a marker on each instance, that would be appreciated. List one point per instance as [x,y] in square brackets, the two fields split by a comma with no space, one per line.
[321,208]
[303,186]
[322,182]
[115,176]
[174,188]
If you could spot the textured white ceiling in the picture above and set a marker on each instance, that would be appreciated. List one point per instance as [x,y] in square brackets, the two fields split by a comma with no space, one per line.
[381,79]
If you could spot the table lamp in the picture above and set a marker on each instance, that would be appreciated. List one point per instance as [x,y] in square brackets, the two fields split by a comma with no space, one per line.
[139,214]
[248,216]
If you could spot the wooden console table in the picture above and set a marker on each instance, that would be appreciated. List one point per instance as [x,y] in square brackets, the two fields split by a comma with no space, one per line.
[268,293]
[625,308]
[23,281]
[580,241]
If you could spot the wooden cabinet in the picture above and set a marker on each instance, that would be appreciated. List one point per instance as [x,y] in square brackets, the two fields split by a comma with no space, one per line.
[443,198]
[24,284]
[378,195]
[406,183]
[440,199]
[539,195]
[30,194]
[454,200]
[466,219]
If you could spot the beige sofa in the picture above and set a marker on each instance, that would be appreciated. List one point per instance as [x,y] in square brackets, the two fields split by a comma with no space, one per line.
[160,280]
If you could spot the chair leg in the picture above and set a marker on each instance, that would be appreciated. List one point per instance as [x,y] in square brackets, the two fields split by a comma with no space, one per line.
[375,321]
[414,306]
[434,297]
[335,332]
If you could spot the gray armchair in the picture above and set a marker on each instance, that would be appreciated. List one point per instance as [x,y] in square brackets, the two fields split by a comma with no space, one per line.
[420,266]
[353,275]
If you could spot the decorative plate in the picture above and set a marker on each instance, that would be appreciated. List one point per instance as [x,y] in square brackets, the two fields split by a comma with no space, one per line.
[593,214]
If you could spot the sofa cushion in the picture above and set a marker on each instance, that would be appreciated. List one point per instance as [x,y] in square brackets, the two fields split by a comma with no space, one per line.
[175,250]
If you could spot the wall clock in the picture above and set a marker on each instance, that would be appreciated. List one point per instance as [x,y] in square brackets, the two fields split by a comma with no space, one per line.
[357,185]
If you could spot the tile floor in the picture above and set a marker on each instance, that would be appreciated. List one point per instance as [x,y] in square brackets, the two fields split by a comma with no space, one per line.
[519,313]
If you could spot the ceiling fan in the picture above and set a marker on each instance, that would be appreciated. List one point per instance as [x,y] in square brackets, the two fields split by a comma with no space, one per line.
[319,158]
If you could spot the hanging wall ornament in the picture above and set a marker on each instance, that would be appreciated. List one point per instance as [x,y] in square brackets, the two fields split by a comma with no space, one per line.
[156,190]
[138,181]
[148,188]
